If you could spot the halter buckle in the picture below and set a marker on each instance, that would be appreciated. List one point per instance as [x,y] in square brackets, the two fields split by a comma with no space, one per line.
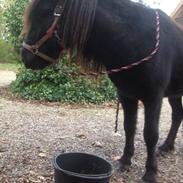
[58,11]
[35,50]
[57,14]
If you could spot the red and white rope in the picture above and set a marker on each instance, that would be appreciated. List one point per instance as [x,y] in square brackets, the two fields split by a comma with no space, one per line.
[136,63]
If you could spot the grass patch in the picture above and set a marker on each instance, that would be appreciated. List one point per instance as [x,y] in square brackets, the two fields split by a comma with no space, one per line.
[9,66]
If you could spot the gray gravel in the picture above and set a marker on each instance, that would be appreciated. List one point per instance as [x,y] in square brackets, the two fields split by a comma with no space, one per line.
[31,134]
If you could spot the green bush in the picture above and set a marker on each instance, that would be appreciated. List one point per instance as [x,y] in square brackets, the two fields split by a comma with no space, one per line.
[7,53]
[58,83]
[54,83]
[13,17]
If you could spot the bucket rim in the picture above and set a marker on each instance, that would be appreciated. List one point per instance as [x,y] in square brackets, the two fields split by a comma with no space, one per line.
[79,175]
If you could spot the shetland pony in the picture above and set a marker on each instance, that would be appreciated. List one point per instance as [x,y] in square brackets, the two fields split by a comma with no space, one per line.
[112,34]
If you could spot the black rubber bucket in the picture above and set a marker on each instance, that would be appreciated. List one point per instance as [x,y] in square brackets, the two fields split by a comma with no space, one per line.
[81,168]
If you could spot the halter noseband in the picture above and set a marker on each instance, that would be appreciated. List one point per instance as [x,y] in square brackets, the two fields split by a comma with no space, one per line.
[34,49]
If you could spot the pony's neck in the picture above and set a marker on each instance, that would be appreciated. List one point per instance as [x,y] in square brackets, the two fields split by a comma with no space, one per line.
[118,31]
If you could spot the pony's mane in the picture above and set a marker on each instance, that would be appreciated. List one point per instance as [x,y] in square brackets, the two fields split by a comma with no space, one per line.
[27,17]
[180,26]
[76,24]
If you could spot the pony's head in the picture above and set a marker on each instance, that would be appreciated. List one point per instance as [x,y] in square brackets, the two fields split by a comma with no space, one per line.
[72,20]
[41,46]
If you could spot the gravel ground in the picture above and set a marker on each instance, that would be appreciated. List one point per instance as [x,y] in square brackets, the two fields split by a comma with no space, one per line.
[31,134]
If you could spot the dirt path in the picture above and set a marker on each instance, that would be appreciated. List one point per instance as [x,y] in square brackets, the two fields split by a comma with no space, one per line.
[6,77]
[31,134]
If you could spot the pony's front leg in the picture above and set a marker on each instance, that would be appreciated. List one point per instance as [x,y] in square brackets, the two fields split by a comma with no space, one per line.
[151,133]
[130,119]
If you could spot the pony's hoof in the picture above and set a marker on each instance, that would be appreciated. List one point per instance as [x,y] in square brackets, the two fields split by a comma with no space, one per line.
[124,167]
[125,164]
[119,167]
[166,148]
[149,177]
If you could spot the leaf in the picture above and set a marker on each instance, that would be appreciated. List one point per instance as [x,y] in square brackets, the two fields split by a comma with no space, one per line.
[42,155]
[115,158]
[97,144]
[81,136]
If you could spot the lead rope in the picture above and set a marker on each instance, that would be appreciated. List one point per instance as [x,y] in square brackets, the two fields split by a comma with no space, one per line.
[137,63]
[134,64]
[117,115]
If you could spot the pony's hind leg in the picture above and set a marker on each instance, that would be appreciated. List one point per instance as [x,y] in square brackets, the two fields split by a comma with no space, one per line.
[130,117]
[177,116]
[151,133]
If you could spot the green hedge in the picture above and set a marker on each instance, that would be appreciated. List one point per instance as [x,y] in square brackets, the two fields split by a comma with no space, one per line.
[13,19]
[7,53]
[58,84]
[54,83]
